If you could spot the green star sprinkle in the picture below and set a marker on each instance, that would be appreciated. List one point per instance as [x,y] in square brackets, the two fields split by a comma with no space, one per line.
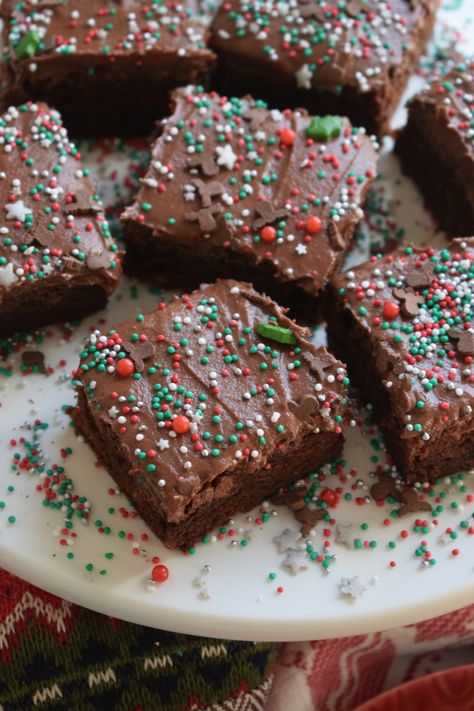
[322,128]
[28,45]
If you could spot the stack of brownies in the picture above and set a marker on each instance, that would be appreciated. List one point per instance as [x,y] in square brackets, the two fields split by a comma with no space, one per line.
[213,402]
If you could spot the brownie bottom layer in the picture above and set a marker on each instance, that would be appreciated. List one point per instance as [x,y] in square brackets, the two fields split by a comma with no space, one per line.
[237,77]
[416,460]
[168,264]
[108,99]
[230,493]
[30,307]
[435,172]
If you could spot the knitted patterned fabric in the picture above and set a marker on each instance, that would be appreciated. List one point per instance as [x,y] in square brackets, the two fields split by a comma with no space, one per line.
[55,655]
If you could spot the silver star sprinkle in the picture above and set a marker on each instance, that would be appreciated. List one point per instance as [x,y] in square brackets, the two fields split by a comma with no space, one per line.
[354,587]
[296,561]
[345,535]
[288,540]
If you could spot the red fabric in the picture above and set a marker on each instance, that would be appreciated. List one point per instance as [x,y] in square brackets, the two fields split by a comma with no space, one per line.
[340,674]
[331,675]
[20,602]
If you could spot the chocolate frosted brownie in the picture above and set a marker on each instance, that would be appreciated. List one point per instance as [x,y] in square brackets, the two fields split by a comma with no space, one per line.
[235,190]
[108,66]
[352,57]
[436,147]
[57,258]
[404,325]
[207,406]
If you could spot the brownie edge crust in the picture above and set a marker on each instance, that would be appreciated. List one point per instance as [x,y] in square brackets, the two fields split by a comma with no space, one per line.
[411,353]
[436,147]
[208,406]
[249,489]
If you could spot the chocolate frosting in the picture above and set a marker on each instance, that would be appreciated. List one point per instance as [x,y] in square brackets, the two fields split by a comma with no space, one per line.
[233,174]
[44,42]
[323,43]
[43,234]
[423,355]
[89,27]
[191,391]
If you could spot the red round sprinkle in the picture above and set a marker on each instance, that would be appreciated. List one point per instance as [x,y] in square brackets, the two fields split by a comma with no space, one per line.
[181,424]
[391,310]
[313,225]
[125,367]
[159,574]
[268,233]
[287,136]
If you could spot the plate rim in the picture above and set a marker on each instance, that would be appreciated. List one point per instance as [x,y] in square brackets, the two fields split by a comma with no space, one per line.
[208,624]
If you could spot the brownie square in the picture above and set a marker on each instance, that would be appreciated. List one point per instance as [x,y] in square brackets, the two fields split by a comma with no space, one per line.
[237,191]
[436,147]
[208,405]
[404,324]
[351,57]
[107,66]
[57,258]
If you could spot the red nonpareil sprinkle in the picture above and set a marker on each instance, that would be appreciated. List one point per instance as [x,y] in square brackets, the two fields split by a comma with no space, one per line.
[160,573]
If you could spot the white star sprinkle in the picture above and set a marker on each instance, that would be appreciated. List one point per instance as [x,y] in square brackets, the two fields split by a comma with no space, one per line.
[301,249]
[7,276]
[276,115]
[226,156]
[303,77]
[17,210]
[163,444]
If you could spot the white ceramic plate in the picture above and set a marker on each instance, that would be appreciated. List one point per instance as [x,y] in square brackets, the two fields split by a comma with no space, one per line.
[234,597]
